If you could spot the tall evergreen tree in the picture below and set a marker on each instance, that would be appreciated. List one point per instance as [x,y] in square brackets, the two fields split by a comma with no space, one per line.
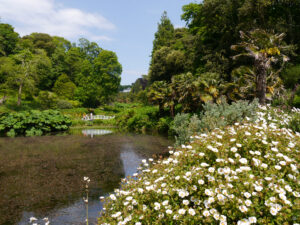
[164,34]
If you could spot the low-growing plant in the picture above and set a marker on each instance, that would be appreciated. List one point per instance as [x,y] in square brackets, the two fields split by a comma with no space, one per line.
[240,174]
[32,123]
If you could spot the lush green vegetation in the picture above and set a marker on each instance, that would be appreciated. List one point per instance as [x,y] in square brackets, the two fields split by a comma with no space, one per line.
[33,123]
[54,72]
[241,174]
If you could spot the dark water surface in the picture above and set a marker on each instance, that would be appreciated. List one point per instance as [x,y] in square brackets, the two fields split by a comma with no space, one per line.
[43,176]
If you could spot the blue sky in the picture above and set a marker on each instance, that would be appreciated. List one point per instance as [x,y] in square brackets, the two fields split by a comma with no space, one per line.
[124,26]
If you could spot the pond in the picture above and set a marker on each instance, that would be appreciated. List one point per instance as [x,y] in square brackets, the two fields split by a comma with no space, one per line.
[43,176]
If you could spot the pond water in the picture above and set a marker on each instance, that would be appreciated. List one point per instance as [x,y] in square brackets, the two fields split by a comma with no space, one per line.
[43,176]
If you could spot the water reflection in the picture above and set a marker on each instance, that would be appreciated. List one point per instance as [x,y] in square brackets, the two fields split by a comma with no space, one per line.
[95,132]
[42,176]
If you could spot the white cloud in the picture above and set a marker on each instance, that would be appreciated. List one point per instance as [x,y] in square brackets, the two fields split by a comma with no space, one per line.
[48,16]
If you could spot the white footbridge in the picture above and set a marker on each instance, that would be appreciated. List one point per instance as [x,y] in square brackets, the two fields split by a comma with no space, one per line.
[90,117]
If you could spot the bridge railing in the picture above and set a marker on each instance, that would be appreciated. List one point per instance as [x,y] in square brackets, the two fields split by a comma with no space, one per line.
[97,117]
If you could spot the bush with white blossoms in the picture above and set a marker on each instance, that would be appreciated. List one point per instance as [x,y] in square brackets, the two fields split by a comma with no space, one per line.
[243,174]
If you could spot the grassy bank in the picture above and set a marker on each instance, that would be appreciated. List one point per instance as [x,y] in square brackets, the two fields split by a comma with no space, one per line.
[247,173]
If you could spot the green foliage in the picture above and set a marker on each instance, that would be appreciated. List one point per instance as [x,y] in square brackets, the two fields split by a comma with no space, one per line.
[140,119]
[64,104]
[8,39]
[213,115]
[164,34]
[47,100]
[64,87]
[34,122]
[291,76]
[265,49]
[296,101]
[294,123]
[224,114]
[220,177]
[180,126]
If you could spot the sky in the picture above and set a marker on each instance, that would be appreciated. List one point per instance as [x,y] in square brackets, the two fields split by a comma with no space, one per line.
[126,27]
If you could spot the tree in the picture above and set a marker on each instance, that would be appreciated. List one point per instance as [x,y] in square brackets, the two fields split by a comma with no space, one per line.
[42,41]
[216,25]
[7,72]
[266,49]
[26,73]
[8,39]
[107,74]
[73,60]
[90,49]
[64,87]
[166,62]
[158,94]
[164,34]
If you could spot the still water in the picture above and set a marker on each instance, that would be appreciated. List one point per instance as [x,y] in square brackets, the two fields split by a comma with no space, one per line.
[43,176]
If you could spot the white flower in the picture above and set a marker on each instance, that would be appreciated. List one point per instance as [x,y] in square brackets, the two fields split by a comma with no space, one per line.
[200,182]
[185,202]
[247,133]
[243,161]
[277,167]
[252,219]
[113,197]
[31,219]
[166,202]
[247,194]
[181,211]
[156,206]
[243,208]
[188,174]
[206,213]
[233,149]
[273,211]
[248,202]
[169,211]
[138,223]
[208,192]
[192,212]
[211,169]
[243,222]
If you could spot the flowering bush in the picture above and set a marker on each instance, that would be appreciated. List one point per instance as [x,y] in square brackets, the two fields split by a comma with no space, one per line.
[243,174]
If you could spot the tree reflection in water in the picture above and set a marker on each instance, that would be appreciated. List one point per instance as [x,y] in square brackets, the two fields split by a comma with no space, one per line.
[42,176]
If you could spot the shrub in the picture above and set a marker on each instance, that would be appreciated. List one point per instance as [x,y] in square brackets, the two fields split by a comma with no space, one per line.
[213,116]
[164,124]
[33,122]
[64,104]
[47,100]
[138,119]
[296,101]
[240,174]
[294,123]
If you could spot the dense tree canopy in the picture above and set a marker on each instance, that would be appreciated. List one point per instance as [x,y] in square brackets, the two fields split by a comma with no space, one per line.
[38,64]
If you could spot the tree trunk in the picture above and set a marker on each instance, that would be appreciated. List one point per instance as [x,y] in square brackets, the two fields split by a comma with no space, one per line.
[261,83]
[20,93]
[172,110]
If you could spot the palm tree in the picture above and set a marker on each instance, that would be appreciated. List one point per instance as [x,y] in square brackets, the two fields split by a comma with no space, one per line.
[266,49]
